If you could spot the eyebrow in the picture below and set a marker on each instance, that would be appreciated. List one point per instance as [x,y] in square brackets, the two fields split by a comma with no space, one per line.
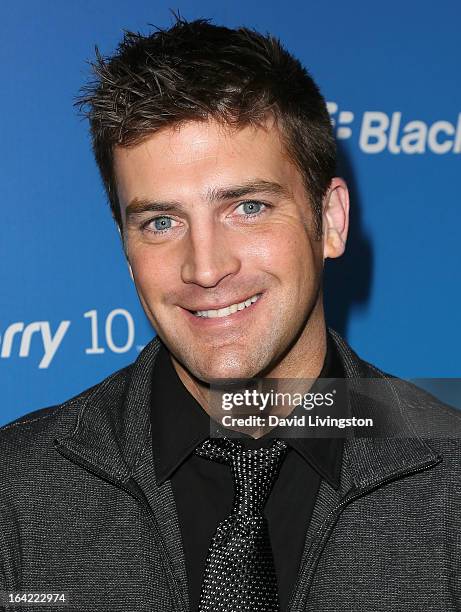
[138,206]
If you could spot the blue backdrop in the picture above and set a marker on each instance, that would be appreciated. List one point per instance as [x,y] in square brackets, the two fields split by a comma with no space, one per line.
[69,314]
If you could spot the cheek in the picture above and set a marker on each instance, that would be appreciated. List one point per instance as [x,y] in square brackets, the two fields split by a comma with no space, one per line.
[151,271]
[287,248]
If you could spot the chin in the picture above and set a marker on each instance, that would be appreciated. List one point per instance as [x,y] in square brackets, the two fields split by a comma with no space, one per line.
[210,376]
[224,370]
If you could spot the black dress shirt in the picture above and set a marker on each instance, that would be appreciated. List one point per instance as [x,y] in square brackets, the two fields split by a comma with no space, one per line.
[203,489]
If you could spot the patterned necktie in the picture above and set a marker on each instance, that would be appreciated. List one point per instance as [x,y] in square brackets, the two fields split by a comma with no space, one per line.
[239,573]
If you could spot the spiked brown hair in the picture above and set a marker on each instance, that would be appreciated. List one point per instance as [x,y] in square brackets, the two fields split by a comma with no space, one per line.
[198,71]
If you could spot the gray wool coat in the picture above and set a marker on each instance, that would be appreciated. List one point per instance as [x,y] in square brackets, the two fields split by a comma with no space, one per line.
[81,513]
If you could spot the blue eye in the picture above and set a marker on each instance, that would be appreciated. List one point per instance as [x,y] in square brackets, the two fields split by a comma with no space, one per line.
[251,207]
[162,223]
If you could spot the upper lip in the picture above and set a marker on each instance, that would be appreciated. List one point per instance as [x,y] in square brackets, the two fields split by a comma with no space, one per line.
[222,305]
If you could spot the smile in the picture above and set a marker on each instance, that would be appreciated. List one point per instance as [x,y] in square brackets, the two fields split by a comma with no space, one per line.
[227,310]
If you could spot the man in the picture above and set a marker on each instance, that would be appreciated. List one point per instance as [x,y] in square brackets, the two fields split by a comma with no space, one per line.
[216,151]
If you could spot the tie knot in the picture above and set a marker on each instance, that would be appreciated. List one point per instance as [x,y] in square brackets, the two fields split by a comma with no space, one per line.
[254,470]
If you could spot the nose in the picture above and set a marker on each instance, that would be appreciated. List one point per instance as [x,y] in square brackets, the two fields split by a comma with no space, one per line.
[209,256]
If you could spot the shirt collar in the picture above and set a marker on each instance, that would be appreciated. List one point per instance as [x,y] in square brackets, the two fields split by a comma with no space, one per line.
[179,423]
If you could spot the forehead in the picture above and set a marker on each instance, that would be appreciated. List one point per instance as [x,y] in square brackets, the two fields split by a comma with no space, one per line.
[201,155]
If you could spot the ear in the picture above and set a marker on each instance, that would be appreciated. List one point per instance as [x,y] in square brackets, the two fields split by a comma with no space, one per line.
[335,218]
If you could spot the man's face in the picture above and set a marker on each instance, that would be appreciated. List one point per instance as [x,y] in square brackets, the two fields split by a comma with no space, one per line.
[220,238]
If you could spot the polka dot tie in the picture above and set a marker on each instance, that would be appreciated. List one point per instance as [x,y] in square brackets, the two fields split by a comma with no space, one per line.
[239,573]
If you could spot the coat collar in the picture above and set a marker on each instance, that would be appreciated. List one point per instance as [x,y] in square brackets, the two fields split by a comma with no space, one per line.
[112,430]
[394,446]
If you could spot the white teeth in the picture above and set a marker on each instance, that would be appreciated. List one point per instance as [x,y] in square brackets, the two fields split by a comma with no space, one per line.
[224,312]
